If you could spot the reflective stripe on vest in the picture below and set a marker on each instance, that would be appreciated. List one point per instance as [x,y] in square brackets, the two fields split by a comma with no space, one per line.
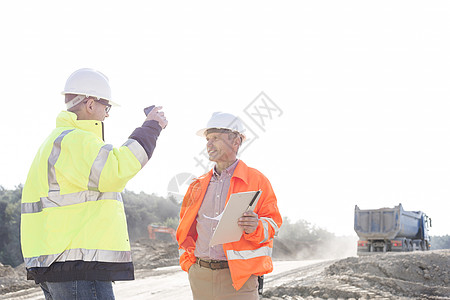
[97,167]
[272,223]
[137,150]
[248,254]
[79,254]
[265,224]
[54,155]
[68,199]
[102,156]
[54,197]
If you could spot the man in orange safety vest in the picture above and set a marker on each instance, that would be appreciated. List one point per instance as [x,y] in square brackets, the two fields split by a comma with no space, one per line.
[230,270]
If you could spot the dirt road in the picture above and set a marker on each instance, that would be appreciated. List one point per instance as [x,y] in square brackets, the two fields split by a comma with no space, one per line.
[172,284]
[409,275]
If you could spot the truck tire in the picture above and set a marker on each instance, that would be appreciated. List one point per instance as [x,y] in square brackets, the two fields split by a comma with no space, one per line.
[422,246]
[405,246]
[409,246]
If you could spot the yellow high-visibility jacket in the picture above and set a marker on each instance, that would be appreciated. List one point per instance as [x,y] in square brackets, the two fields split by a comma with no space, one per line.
[73,224]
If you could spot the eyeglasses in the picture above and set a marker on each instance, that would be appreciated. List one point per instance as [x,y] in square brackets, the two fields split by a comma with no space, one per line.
[106,103]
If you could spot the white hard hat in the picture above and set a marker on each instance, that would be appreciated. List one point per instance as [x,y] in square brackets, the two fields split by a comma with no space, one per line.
[89,83]
[222,120]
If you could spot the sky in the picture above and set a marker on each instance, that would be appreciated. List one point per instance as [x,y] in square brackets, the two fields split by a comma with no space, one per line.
[346,102]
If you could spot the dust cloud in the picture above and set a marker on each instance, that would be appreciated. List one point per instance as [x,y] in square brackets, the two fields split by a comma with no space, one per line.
[332,248]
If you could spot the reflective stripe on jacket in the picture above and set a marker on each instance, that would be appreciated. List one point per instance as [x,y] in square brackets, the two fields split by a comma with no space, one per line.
[252,254]
[72,209]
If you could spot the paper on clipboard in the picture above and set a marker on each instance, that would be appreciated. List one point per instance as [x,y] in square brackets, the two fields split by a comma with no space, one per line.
[228,229]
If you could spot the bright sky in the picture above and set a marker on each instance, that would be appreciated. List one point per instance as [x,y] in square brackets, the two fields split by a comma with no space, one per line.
[357,91]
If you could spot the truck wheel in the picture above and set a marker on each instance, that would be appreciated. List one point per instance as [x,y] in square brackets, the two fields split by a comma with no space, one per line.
[404,247]
[409,246]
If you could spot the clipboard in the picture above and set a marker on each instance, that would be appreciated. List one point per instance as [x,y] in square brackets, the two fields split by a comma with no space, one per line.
[227,229]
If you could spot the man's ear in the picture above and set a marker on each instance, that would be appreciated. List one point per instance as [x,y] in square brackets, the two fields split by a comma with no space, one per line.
[90,105]
[237,142]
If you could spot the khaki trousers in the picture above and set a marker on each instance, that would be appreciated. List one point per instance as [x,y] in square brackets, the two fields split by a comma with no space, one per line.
[207,284]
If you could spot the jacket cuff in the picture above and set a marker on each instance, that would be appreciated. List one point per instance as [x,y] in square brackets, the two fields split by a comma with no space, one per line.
[146,136]
[186,261]
[152,124]
[256,235]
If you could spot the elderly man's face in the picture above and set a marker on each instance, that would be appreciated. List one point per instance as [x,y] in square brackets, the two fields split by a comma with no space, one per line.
[220,147]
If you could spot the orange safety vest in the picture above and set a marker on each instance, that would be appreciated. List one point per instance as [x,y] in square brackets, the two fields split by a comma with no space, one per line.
[252,254]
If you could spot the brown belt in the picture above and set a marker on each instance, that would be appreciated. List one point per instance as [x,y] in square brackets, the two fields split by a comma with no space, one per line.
[212,264]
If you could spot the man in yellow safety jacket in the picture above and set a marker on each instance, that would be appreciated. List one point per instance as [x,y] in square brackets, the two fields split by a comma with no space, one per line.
[230,270]
[73,227]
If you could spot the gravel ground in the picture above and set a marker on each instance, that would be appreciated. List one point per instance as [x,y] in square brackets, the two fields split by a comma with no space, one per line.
[416,275]
[413,275]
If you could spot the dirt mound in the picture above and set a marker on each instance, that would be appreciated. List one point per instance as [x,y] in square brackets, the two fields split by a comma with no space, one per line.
[418,275]
[152,254]
[430,268]
[12,280]
[6,271]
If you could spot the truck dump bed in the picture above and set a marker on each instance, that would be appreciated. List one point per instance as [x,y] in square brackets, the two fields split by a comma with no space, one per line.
[387,223]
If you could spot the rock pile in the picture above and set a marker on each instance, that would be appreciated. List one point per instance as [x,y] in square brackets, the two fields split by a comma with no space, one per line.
[410,275]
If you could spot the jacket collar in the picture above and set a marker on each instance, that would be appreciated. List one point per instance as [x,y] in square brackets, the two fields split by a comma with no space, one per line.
[241,171]
[69,119]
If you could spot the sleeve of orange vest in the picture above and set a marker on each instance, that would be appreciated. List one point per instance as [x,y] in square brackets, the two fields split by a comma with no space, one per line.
[269,217]
[186,239]
[187,248]
[186,251]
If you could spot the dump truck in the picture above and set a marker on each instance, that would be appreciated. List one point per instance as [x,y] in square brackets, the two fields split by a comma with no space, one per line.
[391,230]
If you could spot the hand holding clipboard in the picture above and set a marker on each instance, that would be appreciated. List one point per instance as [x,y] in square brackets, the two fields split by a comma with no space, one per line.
[249,220]
[228,229]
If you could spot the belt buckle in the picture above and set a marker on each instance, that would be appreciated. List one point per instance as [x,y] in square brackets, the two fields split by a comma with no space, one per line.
[211,265]
[204,263]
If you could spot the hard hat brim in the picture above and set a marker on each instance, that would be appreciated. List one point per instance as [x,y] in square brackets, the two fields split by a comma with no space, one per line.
[109,101]
[113,103]
[202,132]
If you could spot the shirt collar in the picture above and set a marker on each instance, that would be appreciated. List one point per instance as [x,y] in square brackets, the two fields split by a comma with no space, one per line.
[228,171]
